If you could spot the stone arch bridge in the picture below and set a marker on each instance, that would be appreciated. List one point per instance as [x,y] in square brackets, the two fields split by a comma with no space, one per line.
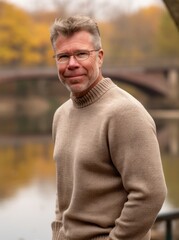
[159,82]
[155,82]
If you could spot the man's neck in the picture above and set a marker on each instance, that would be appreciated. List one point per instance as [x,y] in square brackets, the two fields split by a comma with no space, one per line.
[80,94]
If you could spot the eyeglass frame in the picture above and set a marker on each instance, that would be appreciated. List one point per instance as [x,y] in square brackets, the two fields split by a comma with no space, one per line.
[74,55]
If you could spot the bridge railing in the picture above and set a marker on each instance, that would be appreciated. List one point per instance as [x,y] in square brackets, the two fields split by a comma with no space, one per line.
[168,218]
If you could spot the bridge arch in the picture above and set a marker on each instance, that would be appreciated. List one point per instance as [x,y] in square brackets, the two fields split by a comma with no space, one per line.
[152,83]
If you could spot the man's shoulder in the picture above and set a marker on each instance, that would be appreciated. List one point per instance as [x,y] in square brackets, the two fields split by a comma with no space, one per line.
[62,109]
[119,98]
[123,104]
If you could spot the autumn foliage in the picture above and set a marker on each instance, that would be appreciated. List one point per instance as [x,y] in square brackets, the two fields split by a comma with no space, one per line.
[23,40]
[147,36]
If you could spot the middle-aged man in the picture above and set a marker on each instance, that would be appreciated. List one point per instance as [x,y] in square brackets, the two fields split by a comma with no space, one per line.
[110,182]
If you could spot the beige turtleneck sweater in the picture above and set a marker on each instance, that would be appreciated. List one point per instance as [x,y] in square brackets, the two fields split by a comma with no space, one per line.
[110,183]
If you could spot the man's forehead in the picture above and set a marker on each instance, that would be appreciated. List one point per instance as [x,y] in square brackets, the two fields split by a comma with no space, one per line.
[79,38]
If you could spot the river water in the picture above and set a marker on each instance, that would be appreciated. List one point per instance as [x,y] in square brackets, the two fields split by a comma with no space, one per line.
[27,187]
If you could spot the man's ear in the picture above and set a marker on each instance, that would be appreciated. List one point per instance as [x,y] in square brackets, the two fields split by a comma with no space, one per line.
[100,57]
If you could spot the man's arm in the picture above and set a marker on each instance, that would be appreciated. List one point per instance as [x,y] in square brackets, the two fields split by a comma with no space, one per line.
[135,153]
[56,225]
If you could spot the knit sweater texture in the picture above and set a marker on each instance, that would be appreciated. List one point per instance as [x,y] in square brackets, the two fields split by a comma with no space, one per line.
[110,182]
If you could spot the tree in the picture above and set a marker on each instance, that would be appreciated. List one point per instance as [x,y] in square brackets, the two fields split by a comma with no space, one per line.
[168,39]
[22,40]
[135,36]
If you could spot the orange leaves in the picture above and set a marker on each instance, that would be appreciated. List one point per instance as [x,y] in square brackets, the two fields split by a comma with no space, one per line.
[23,41]
[128,38]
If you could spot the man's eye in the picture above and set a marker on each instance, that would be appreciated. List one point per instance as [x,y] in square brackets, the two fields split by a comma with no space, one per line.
[82,55]
[63,57]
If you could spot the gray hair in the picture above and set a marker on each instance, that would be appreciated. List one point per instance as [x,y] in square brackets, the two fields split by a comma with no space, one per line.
[67,27]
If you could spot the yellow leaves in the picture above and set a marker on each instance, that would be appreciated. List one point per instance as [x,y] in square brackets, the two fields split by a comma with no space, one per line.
[107,30]
[139,38]
[23,41]
[168,38]
[16,157]
[132,37]
[41,42]
[6,55]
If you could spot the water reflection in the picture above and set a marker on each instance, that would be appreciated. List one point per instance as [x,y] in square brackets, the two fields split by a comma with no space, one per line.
[27,187]
[171,166]
[23,159]
[28,214]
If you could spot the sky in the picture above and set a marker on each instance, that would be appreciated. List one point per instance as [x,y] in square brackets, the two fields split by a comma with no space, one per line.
[47,4]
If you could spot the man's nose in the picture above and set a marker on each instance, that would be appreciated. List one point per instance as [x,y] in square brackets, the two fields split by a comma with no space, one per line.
[73,62]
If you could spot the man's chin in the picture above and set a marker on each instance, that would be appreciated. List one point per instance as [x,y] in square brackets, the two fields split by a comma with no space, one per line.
[77,90]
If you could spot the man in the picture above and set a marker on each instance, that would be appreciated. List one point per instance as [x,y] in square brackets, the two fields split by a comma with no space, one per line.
[110,183]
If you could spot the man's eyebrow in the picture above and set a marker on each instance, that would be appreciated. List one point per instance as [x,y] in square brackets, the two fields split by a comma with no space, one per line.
[78,50]
[61,53]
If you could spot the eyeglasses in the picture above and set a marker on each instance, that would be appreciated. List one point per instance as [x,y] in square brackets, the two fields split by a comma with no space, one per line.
[79,55]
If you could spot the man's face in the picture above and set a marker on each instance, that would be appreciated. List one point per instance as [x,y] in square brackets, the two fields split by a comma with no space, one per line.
[79,76]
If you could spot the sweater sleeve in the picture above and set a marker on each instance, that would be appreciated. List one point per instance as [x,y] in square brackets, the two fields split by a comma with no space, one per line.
[56,225]
[135,154]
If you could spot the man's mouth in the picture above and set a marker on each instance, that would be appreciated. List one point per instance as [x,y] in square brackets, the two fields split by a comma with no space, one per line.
[74,76]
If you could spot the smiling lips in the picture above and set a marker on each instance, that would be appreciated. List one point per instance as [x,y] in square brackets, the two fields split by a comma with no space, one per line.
[74,78]
[74,75]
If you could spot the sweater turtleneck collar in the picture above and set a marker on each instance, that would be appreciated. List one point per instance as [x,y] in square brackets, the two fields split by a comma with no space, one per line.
[94,94]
